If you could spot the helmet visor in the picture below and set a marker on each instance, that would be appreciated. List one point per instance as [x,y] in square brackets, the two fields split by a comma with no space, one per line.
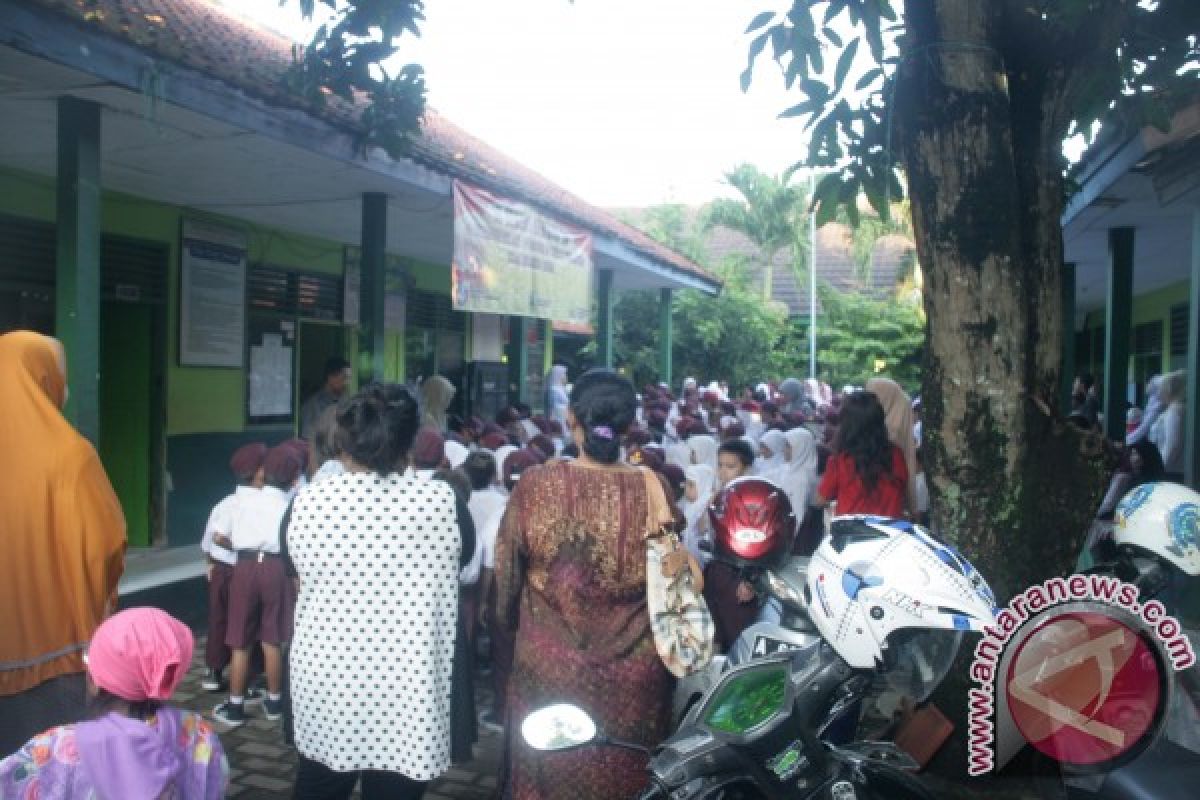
[918,659]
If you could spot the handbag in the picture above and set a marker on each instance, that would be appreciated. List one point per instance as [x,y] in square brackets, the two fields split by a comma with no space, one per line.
[679,618]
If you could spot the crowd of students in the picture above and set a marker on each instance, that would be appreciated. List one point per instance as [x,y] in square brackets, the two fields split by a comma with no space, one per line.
[359,579]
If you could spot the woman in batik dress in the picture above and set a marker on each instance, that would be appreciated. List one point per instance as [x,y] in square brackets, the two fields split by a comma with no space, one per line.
[571,576]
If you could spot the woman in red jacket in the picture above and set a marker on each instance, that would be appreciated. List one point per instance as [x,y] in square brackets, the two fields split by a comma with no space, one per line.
[866,474]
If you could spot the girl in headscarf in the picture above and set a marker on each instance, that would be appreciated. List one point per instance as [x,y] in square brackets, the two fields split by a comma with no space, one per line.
[704,450]
[898,417]
[134,747]
[793,395]
[770,454]
[799,479]
[701,480]
[556,394]
[63,545]
[1168,431]
[437,394]
[1154,408]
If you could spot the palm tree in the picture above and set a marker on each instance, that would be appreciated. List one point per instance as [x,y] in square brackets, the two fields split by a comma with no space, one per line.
[770,214]
[869,228]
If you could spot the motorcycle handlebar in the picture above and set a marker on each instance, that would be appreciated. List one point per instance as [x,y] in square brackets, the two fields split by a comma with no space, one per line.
[652,792]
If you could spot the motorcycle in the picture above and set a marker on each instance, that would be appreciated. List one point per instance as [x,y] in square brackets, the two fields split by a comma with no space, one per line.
[770,720]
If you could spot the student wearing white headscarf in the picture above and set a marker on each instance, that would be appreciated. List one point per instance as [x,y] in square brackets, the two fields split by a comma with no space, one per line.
[798,476]
[701,480]
[704,450]
[503,453]
[556,394]
[770,454]
[456,454]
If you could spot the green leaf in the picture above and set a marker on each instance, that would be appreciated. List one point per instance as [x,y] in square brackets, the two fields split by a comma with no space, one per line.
[832,36]
[844,62]
[760,20]
[868,77]
[800,109]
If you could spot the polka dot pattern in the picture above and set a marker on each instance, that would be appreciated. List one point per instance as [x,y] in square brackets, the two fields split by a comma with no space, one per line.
[375,622]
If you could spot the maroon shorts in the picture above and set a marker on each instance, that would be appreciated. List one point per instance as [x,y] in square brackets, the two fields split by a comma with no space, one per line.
[257,603]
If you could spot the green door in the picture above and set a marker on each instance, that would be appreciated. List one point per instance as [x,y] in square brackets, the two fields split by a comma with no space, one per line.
[126,402]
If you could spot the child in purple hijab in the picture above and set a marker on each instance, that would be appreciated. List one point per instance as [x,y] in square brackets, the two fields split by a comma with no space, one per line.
[134,747]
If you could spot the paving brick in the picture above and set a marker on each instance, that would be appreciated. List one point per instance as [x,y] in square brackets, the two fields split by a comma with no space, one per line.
[268,783]
[261,749]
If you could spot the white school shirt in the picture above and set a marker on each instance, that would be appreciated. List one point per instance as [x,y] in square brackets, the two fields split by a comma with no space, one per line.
[257,518]
[221,521]
[487,508]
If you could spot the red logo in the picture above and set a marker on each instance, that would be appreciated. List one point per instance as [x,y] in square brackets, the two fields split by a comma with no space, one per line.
[1084,688]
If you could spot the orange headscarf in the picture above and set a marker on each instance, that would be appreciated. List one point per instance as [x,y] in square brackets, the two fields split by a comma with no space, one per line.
[62,533]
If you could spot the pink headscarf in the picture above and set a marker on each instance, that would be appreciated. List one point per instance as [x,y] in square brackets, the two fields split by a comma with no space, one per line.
[140,654]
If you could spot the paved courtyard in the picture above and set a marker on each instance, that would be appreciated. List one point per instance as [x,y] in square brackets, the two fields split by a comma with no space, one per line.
[262,767]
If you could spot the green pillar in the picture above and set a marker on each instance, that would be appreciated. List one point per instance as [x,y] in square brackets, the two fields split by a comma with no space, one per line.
[1117,330]
[1191,444]
[372,343]
[77,261]
[518,359]
[604,319]
[1067,378]
[664,337]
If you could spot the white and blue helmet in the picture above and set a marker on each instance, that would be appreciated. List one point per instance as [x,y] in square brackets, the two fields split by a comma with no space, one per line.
[1162,519]
[873,576]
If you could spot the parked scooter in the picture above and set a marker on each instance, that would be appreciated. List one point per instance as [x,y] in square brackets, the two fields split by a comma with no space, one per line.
[1155,547]
[878,597]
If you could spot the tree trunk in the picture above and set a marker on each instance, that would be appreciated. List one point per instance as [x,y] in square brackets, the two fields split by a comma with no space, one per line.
[1010,482]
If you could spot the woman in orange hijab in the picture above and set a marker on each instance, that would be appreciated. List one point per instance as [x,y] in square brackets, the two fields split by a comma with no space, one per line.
[62,543]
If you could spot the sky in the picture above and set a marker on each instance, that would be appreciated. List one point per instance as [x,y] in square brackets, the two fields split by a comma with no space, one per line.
[626,103]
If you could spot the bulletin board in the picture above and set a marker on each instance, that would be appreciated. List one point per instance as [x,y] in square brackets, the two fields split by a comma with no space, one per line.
[271,370]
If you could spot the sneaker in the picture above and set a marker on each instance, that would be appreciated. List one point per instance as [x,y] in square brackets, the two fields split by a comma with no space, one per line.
[232,715]
[273,709]
[213,681]
[489,720]
[255,696]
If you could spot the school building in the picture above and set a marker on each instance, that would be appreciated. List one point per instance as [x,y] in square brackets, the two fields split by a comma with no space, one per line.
[1131,297]
[202,242]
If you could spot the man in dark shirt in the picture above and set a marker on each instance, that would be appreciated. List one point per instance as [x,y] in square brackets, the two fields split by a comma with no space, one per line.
[337,378]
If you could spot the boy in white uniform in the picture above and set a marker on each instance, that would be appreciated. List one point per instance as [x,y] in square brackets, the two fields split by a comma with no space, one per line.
[257,604]
[247,466]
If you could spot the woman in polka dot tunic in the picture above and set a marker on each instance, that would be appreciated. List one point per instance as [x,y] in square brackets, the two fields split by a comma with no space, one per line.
[378,554]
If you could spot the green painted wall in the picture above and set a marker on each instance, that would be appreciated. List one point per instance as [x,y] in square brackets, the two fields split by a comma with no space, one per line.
[1150,307]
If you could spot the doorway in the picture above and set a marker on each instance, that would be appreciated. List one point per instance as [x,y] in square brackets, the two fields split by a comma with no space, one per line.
[319,341]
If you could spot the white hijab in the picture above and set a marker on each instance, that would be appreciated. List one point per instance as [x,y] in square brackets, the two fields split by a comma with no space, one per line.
[456,454]
[773,440]
[705,479]
[704,450]
[501,454]
[798,477]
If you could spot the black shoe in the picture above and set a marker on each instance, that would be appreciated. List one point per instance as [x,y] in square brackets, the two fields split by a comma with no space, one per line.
[255,696]
[232,714]
[213,680]
[273,709]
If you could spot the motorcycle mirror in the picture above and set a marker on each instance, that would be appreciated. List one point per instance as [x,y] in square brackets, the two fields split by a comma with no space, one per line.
[558,727]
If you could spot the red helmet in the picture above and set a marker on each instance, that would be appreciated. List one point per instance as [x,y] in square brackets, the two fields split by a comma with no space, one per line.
[752,522]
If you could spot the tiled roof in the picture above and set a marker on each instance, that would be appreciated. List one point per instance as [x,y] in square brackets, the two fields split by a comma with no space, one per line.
[216,41]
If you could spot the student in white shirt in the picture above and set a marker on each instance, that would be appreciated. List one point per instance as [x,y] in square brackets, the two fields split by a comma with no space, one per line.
[257,604]
[247,466]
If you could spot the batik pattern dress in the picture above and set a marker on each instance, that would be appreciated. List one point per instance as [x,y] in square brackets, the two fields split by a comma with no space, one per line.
[571,576]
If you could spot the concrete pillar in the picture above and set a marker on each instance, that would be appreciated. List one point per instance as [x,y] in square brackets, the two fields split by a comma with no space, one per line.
[1117,330]
[518,360]
[604,319]
[1191,444]
[664,336]
[372,343]
[1068,338]
[77,259]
